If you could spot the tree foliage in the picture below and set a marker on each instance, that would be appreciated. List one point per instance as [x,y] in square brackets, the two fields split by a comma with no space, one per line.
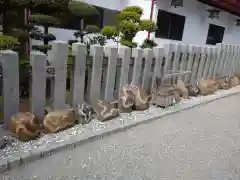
[46,21]
[8,42]
[109,31]
[129,23]
[82,9]
[43,20]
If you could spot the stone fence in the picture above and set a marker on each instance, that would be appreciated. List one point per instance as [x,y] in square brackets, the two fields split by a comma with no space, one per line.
[107,69]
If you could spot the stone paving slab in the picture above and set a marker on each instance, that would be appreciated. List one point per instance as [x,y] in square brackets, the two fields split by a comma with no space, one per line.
[49,144]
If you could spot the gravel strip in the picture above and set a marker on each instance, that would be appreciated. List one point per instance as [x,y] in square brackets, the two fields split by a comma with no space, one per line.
[20,153]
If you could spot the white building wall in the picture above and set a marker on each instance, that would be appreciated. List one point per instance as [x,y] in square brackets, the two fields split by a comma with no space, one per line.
[196,24]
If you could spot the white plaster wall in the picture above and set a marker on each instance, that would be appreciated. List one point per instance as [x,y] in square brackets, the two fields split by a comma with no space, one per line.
[196,24]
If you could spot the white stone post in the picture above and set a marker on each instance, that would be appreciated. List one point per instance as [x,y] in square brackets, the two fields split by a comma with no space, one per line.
[79,53]
[59,62]
[112,53]
[38,62]
[10,70]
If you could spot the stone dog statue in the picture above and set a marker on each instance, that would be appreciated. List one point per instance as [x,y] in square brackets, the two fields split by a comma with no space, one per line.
[25,126]
[58,120]
[207,85]
[106,110]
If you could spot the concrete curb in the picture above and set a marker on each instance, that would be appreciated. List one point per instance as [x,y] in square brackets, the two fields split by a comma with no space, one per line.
[26,157]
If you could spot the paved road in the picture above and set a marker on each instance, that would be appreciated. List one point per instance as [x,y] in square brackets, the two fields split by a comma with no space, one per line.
[198,144]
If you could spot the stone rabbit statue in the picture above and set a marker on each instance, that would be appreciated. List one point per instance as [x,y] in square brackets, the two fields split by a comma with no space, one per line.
[207,85]
[106,110]
[25,126]
[58,120]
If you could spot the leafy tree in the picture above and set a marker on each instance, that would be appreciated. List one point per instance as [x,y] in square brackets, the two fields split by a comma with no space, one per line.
[45,21]
[82,10]
[129,23]
[109,31]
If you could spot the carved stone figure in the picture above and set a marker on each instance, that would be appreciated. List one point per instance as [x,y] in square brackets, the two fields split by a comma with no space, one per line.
[84,113]
[182,88]
[141,98]
[25,126]
[126,99]
[193,90]
[208,85]
[234,81]
[165,96]
[224,83]
[237,75]
[106,110]
[58,120]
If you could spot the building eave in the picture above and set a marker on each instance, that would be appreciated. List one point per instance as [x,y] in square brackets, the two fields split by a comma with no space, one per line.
[230,6]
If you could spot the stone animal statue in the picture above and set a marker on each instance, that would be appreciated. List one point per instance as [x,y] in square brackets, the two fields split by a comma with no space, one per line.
[106,110]
[84,113]
[25,126]
[224,83]
[180,85]
[126,99]
[237,75]
[207,85]
[234,81]
[58,120]
[193,90]
[141,98]
[165,96]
